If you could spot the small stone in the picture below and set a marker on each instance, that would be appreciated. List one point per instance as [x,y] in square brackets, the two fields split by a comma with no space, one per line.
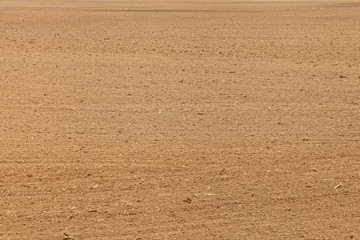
[188,200]
[67,237]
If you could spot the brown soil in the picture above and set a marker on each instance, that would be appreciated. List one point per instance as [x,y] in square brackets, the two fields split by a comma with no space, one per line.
[179,119]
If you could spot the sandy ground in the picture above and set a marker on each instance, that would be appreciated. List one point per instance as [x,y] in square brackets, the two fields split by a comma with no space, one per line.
[179,120]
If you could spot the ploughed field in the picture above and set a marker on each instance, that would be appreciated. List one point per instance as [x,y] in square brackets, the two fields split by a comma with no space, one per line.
[179,119]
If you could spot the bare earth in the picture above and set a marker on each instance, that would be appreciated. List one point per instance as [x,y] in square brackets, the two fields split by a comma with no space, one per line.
[179,119]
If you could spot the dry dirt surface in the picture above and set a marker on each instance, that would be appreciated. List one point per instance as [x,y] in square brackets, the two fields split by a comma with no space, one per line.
[179,120]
